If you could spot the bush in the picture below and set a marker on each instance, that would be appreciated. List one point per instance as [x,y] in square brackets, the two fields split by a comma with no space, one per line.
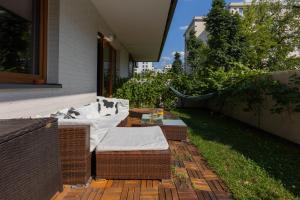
[148,90]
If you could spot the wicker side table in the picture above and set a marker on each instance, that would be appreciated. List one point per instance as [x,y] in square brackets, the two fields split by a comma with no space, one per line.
[29,159]
[174,129]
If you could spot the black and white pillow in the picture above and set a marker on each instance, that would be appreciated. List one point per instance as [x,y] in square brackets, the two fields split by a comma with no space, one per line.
[117,107]
[108,107]
[73,113]
[61,115]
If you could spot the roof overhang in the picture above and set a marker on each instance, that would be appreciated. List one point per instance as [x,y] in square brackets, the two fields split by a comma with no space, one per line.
[140,25]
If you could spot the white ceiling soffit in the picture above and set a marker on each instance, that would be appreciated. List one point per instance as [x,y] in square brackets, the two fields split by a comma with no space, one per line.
[140,25]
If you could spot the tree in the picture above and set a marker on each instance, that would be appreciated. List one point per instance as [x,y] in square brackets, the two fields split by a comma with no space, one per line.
[177,64]
[225,40]
[217,22]
[238,46]
[273,32]
[197,52]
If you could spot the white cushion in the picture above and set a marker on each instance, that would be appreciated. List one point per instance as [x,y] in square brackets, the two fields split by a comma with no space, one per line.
[88,112]
[96,136]
[133,139]
[98,127]
[98,123]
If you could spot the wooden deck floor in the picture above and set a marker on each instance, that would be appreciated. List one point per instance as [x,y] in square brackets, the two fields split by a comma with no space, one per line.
[191,179]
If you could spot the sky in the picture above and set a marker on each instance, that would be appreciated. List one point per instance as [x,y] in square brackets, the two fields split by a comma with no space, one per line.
[185,11]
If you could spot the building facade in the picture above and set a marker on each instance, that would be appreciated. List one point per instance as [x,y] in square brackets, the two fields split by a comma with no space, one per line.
[142,67]
[197,25]
[167,68]
[238,7]
[76,50]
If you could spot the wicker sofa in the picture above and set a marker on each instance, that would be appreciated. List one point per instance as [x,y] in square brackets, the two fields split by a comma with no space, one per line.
[79,137]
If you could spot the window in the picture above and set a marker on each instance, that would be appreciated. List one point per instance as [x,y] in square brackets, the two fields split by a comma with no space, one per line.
[106,76]
[23,41]
[131,65]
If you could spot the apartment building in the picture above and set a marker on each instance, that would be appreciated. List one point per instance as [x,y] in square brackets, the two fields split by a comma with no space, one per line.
[167,68]
[238,7]
[197,25]
[142,67]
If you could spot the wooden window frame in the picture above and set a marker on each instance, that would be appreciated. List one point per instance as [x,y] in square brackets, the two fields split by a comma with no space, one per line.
[10,77]
[100,76]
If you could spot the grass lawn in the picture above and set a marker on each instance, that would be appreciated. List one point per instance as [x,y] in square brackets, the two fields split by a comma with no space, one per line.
[252,163]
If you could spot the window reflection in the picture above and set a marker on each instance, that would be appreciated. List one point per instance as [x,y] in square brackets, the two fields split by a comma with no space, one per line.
[16,37]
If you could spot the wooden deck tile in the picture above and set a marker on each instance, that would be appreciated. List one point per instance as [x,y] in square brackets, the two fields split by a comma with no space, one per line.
[156,183]
[206,195]
[112,194]
[177,163]
[190,165]
[132,183]
[130,193]
[194,173]
[99,194]
[168,194]
[191,179]
[149,193]
[167,184]
[200,184]
[99,184]
[118,183]
[187,194]
[210,175]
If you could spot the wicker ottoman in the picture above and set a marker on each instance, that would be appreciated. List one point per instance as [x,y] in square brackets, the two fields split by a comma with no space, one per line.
[133,153]
[133,165]
[29,159]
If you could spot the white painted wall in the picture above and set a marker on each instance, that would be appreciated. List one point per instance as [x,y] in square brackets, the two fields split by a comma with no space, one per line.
[72,61]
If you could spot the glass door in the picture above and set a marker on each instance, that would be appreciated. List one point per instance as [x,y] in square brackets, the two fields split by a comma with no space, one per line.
[106,68]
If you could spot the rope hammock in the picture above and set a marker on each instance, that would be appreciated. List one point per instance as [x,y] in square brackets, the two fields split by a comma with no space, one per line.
[193,98]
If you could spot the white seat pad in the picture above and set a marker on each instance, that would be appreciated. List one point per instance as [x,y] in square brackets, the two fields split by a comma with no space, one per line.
[133,139]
